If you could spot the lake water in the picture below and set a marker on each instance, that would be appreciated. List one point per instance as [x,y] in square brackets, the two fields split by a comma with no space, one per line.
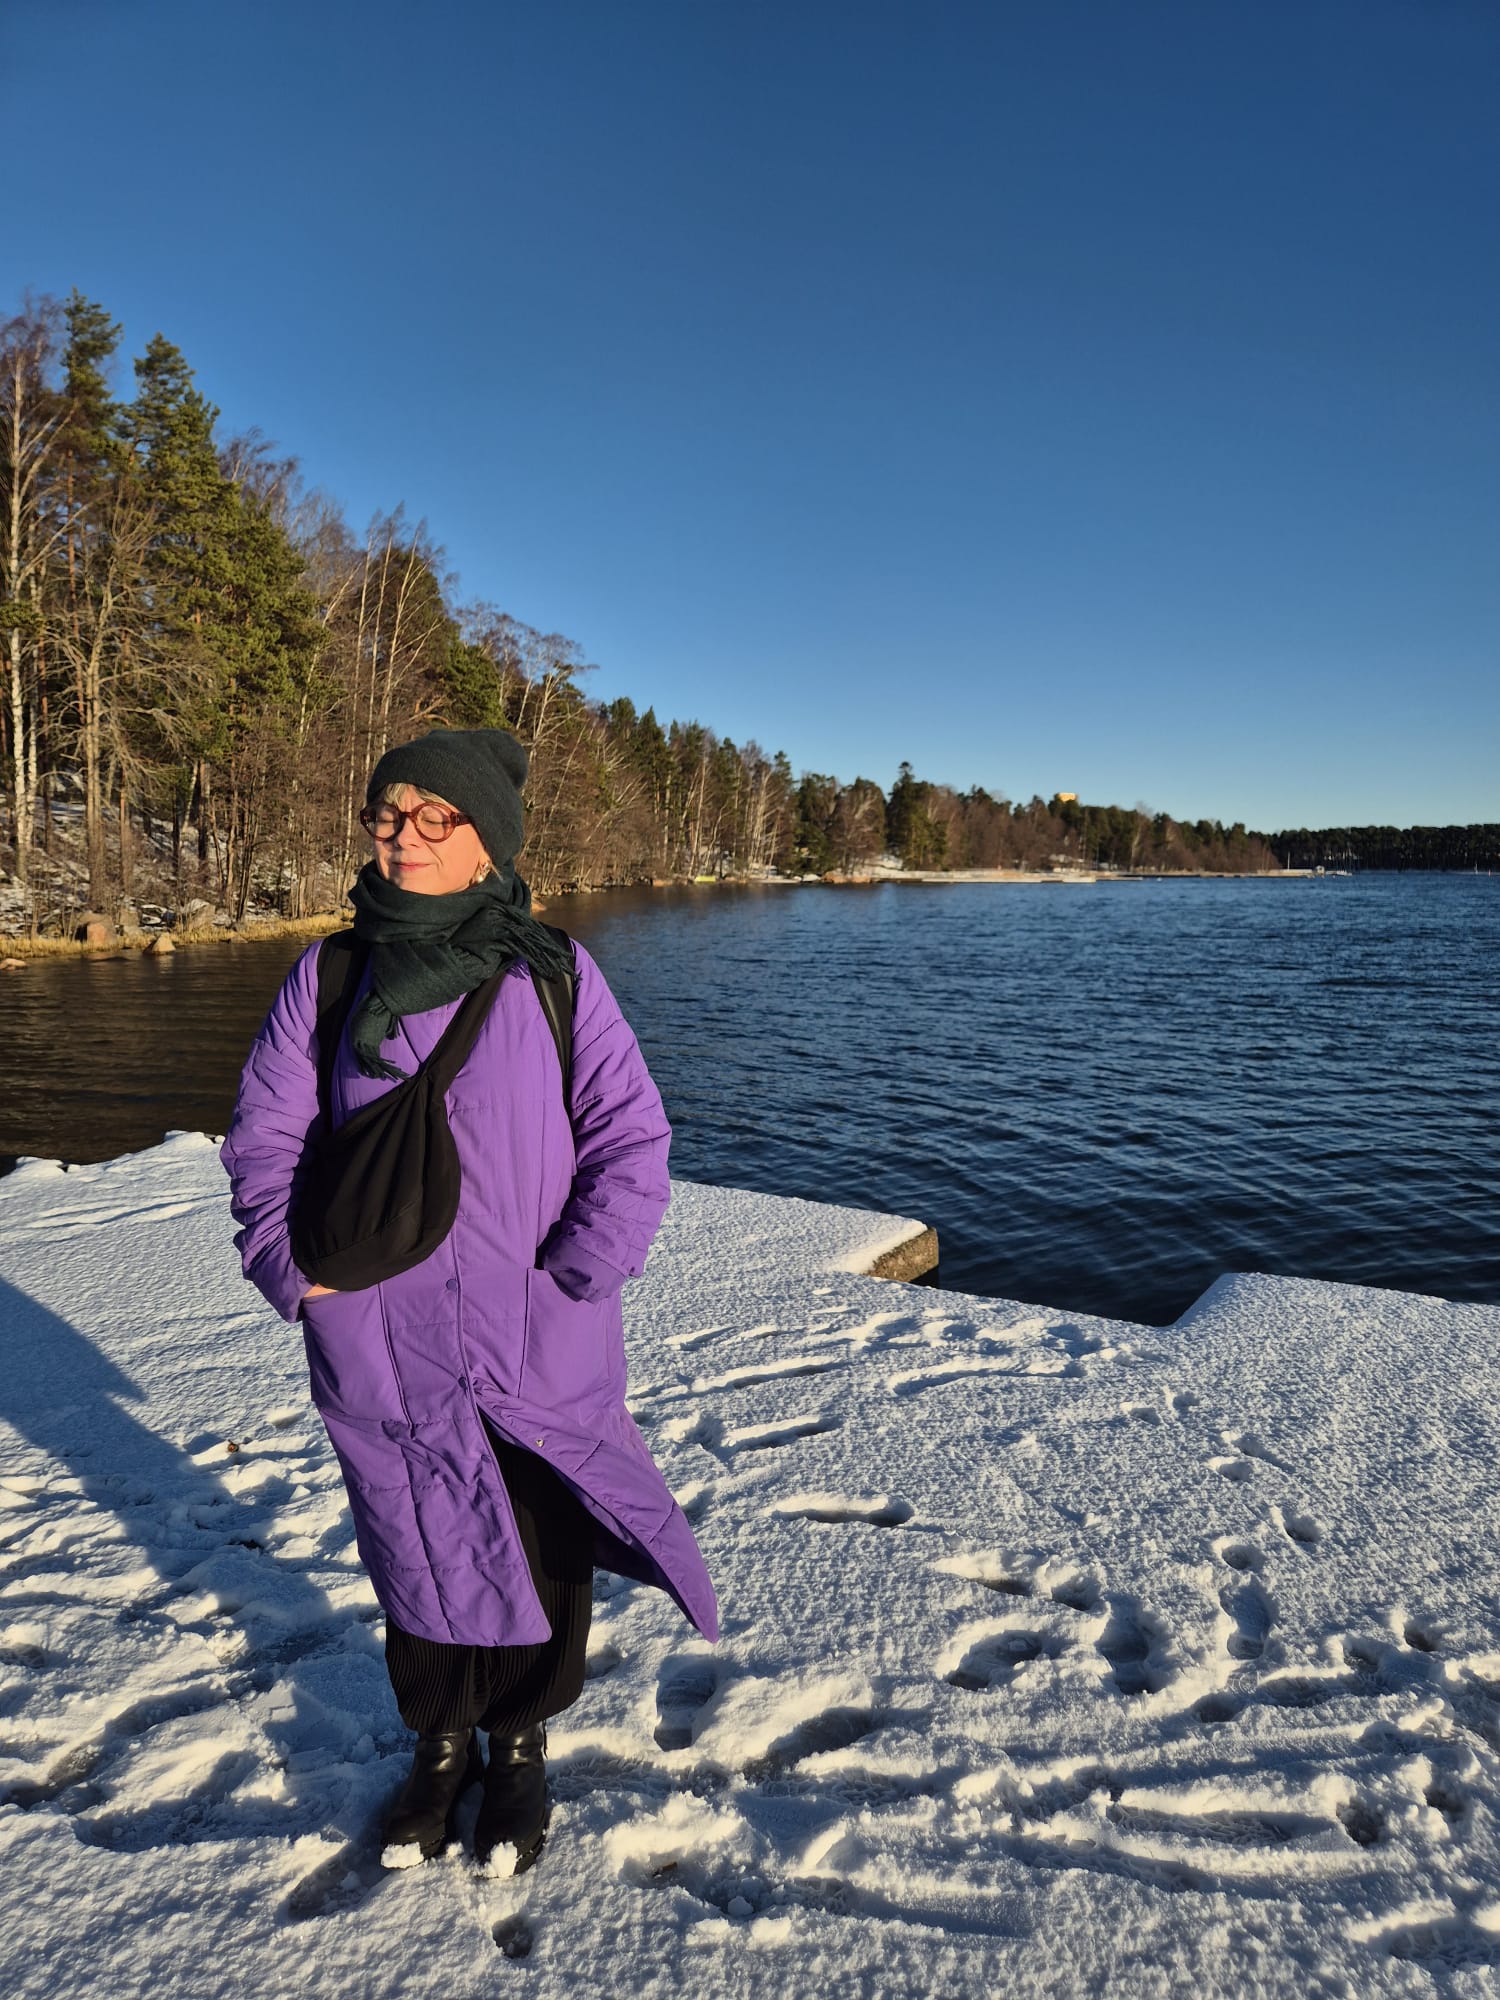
[1102,1097]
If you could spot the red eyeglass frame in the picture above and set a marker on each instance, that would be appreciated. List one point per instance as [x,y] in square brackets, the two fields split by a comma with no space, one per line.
[445,814]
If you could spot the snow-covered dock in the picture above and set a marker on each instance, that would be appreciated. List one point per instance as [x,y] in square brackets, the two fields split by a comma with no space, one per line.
[1061,1656]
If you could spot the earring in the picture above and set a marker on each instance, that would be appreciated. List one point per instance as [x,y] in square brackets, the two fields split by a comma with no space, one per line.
[479,874]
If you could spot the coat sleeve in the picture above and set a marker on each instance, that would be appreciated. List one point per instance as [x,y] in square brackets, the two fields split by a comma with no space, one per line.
[620,1139]
[277,1103]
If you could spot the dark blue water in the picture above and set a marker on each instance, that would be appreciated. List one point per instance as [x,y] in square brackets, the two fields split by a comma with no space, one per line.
[1101,1097]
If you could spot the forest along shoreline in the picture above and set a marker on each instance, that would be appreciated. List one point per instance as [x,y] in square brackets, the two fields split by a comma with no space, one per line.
[204,660]
[102,938]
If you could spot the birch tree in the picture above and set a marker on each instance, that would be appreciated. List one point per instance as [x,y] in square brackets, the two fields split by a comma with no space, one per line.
[31,415]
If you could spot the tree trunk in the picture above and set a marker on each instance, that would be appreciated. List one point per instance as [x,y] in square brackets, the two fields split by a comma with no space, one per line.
[20,815]
[124,832]
[203,808]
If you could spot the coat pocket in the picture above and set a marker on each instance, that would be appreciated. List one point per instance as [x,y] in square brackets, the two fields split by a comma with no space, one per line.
[569,1361]
[349,1358]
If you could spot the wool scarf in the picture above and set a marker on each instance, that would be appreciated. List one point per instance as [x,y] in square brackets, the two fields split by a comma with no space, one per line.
[428,950]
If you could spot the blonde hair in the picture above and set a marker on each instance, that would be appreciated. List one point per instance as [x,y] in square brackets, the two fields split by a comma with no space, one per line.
[388,795]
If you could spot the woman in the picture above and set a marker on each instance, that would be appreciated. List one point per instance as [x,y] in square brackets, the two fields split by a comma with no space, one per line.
[476,1401]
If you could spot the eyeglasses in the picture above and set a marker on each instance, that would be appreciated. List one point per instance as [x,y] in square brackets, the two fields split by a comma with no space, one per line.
[432,822]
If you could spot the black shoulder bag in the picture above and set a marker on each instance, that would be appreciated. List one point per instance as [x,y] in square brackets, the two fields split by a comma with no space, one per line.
[377,1194]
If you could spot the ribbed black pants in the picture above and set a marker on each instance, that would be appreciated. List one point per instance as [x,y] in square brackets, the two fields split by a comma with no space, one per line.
[505,1689]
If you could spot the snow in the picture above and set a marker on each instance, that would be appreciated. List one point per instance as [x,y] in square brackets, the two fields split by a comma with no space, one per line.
[1060,1656]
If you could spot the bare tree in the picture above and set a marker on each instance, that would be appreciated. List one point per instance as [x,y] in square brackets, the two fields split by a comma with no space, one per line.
[31,415]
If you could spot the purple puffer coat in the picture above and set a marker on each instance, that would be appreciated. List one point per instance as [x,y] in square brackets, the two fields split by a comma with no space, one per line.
[515,1316]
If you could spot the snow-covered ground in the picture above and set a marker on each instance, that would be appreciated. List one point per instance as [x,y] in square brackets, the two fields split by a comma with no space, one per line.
[1060,1656]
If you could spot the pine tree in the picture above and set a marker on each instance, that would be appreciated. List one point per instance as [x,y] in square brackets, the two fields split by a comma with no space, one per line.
[99,552]
[236,630]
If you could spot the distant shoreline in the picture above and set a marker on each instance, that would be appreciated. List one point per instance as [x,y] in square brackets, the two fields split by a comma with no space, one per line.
[18,951]
[1028,878]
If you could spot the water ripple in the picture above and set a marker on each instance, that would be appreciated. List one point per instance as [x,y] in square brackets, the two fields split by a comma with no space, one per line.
[1102,1098]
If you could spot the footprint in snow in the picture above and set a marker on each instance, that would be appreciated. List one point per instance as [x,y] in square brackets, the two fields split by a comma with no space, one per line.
[1306,1530]
[1444,1940]
[964,1368]
[770,1437]
[1128,1643]
[695,1500]
[699,1337]
[1363,1822]
[1078,1592]
[1239,1471]
[514,1937]
[1075,1590]
[993,1660]
[1250,1608]
[835,1729]
[875,1510]
[990,1654]
[685,1685]
[770,1371]
[749,1377]
[1447,1797]
[707,1432]
[1250,1445]
[1237,1826]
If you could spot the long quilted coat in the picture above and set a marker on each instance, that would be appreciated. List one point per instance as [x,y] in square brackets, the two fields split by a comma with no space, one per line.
[515,1317]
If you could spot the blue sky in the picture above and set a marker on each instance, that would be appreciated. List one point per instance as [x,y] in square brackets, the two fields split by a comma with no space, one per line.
[1088,395]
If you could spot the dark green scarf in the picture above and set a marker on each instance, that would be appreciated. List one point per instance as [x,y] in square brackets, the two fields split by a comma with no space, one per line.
[428,950]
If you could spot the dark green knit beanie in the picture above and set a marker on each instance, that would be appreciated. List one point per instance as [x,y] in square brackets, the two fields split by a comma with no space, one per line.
[481,771]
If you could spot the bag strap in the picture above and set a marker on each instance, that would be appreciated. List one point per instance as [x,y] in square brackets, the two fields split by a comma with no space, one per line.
[557,996]
[460,1035]
[341,962]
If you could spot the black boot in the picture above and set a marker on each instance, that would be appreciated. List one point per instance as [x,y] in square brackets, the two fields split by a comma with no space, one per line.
[515,1796]
[442,1770]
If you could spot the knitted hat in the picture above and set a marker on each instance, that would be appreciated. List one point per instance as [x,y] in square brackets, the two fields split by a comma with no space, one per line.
[481,771]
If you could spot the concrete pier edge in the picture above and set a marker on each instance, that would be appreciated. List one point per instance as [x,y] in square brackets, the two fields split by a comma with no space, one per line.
[908,1261]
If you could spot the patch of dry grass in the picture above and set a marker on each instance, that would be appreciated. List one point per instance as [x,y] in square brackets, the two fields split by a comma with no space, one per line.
[256,931]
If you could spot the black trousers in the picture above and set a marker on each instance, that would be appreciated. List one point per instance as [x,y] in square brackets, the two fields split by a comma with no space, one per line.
[504,1689]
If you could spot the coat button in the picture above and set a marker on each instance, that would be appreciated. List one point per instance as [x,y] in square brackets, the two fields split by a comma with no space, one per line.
[541,1440]
[452,1285]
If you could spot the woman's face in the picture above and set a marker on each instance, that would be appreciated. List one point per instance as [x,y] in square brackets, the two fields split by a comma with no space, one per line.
[430,867]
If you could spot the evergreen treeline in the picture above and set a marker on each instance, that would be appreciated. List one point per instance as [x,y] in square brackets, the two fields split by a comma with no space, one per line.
[202,661]
[838,828]
[1402,847]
